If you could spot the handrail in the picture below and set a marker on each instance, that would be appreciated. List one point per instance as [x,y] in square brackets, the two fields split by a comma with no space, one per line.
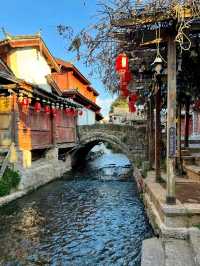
[6,161]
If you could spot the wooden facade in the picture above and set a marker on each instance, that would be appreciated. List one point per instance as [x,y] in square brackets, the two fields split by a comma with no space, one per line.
[29,72]
[30,130]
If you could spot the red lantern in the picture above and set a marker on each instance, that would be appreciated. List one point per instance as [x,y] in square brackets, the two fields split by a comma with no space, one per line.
[126,77]
[80,113]
[132,107]
[37,106]
[133,98]
[25,102]
[53,110]
[121,64]
[124,92]
[72,112]
[67,111]
[47,109]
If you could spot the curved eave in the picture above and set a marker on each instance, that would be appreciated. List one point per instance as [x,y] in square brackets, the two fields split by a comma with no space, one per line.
[93,90]
[99,117]
[32,41]
[67,66]
[78,97]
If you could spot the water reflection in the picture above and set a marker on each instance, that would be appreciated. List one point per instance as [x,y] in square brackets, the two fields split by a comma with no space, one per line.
[82,221]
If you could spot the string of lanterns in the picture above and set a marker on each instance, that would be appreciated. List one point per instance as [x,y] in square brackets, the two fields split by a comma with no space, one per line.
[122,68]
[49,108]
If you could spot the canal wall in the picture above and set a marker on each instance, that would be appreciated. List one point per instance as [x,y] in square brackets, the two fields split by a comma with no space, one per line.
[40,173]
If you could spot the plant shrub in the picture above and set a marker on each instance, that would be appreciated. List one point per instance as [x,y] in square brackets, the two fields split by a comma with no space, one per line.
[9,180]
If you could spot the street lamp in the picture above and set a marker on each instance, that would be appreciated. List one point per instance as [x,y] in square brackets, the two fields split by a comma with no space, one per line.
[157,65]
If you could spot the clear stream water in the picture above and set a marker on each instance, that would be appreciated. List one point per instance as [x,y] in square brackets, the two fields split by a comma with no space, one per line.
[92,216]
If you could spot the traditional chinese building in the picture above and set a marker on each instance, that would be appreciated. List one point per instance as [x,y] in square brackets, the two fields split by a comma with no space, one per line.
[35,117]
[74,85]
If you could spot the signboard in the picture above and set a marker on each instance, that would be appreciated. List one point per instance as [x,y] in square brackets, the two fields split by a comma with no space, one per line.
[172,141]
[5,104]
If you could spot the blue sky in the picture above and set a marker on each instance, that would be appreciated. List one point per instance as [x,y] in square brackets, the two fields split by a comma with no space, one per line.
[30,16]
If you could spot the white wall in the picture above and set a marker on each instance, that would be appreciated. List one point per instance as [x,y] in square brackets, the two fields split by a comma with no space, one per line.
[28,64]
[88,117]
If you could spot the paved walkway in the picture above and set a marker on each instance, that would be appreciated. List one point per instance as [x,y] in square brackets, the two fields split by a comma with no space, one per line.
[170,252]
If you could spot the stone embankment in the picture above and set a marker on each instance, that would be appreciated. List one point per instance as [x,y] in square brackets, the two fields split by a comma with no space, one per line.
[177,245]
[40,173]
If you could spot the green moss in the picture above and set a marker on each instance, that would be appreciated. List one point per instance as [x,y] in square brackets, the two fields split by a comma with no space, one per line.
[9,180]
[197,225]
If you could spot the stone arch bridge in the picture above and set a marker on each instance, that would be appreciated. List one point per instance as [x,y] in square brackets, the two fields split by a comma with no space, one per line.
[130,140]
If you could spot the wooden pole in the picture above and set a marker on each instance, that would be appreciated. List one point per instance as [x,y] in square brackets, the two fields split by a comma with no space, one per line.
[158,134]
[151,134]
[179,161]
[171,121]
[187,121]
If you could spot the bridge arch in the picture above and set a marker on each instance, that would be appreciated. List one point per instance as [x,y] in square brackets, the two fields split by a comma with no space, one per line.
[88,142]
[130,140]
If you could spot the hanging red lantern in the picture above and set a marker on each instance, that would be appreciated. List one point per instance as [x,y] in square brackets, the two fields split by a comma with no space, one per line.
[25,102]
[53,110]
[67,110]
[72,112]
[80,113]
[37,106]
[124,92]
[133,98]
[132,107]
[121,64]
[126,77]
[47,109]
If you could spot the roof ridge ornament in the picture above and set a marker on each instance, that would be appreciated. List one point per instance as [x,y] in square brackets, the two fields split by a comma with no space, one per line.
[7,35]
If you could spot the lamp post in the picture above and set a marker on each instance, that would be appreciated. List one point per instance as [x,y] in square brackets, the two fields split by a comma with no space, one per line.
[157,69]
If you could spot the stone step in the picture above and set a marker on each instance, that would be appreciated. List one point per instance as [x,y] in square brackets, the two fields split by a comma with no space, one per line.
[170,252]
[152,253]
[188,159]
[194,242]
[185,152]
[193,172]
[178,253]
[194,149]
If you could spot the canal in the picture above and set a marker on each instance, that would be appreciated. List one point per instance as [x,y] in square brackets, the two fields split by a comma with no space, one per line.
[92,216]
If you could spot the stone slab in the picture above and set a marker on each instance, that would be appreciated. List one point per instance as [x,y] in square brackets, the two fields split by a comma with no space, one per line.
[178,253]
[195,244]
[152,253]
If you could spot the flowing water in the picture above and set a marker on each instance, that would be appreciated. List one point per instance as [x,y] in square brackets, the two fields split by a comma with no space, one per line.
[90,217]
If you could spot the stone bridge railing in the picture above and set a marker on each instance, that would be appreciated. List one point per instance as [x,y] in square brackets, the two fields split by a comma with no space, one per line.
[131,140]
